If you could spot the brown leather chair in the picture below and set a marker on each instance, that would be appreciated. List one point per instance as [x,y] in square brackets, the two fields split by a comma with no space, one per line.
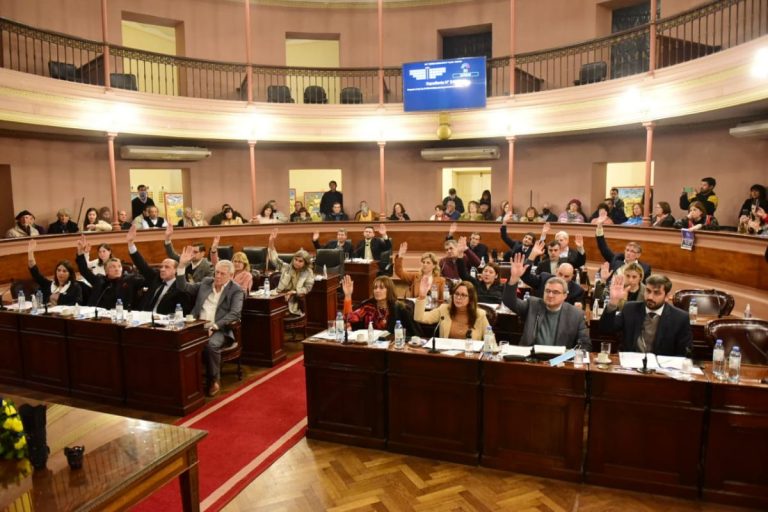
[749,334]
[294,322]
[709,302]
[490,313]
[231,353]
[28,286]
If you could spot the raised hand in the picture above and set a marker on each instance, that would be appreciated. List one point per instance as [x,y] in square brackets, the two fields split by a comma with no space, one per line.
[403,250]
[605,270]
[461,246]
[83,247]
[272,238]
[215,244]
[545,229]
[517,268]
[424,286]
[348,286]
[452,228]
[537,250]
[617,292]
[315,236]
[382,230]
[31,246]
[186,256]
[130,235]
[507,217]
[760,213]
[168,231]
[579,241]
[602,217]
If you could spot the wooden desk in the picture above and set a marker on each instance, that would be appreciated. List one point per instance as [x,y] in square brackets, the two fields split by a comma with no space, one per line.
[363,275]
[125,461]
[262,330]
[152,369]
[322,303]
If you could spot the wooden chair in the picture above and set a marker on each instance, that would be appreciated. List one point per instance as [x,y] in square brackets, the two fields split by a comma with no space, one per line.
[294,322]
[709,302]
[750,334]
[231,353]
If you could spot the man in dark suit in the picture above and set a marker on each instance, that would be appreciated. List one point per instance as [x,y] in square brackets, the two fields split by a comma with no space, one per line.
[548,321]
[371,247]
[329,198]
[219,301]
[649,326]
[106,289]
[480,249]
[63,224]
[341,242]
[200,267]
[632,253]
[162,293]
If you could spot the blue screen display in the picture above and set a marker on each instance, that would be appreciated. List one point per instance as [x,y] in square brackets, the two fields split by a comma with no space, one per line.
[444,84]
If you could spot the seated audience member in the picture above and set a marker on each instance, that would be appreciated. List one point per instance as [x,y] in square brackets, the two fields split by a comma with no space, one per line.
[341,242]
[216,219]
[450,211]
[64,289]
[302,216]
[276,213]
[461,318]
[546,214]
[486,284]
[266,216]
[337,214]
[662,216]
[617,201]
[616,214]
[637,216]
[103,254]
[480,249]
[458,204]
[106,289]
[382,310]
[548,321]
[577,258]
[199,267]
[296,277]
[199,220]
[141,202]
[631,254]
[242,275]
[428,269]
[218,301]
[485,211]
[162,294]
[24,226]
[105,214]
[472,213]
[398,213]
[371,247]
[532,215]
[187,219]
[229,218]
[697,219]
[601,215]
[153,219]
[447,264]
[485,197]
[93,223]
[524,246]
[572,214]
[63,224]
[365,214]
[505,209]
[122,218]
[565,271]
[757,199]
[704,194]
[297,205]
[439,214]
[650,325]
[753,224]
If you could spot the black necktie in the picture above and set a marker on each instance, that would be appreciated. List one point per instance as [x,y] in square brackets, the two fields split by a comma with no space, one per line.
[156,297]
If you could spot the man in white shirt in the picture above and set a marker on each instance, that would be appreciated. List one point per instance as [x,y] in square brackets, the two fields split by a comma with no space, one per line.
[219,301]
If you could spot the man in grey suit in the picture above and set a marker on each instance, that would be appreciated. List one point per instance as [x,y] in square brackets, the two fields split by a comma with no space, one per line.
[548,321]
[219,302]
[200,267]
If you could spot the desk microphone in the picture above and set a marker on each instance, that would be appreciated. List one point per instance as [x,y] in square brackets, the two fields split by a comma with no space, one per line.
[434,350]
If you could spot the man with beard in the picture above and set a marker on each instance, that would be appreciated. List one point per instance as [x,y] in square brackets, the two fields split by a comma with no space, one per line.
[650,326]
[25,226]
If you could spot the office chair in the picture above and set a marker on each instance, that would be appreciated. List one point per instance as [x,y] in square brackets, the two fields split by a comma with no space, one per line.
[315,94]
[351,95]
[279,94]
[592,72]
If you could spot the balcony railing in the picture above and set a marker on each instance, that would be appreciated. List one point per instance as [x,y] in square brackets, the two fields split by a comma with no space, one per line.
[690,35]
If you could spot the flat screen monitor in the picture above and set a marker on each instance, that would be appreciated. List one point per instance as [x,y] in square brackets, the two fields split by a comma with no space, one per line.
[444,84]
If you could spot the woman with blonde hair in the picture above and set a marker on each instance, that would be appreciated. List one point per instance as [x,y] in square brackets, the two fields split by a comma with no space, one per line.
[296,277]
[242,276]
[429,269]
[460,319]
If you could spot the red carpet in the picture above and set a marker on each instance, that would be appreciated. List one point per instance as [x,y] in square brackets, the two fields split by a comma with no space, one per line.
[247,431]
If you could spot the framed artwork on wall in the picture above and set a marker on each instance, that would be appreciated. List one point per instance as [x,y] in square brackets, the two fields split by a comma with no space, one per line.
[174,206]
[312,203]
[632,196]
[291,199]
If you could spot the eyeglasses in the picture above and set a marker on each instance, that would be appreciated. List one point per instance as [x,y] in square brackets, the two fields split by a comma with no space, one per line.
[461,295]
[553,292]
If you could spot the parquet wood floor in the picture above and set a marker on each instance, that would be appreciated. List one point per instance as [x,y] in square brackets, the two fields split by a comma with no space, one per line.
[315,476]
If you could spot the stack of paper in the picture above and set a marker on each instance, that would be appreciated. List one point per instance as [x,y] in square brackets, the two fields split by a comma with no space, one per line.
[634,360]
[554,350]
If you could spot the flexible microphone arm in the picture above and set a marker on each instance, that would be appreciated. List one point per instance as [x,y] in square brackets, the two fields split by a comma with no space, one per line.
[434,350]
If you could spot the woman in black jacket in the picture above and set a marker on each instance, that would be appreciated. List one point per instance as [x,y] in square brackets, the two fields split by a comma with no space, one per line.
[64,289]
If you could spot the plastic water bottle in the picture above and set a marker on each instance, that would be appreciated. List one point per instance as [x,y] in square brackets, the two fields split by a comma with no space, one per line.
[527,295]
[748,311]
[325,271]
[433,296]
[489,343]
[473,272]
[718,360]
[482,262]
[119,310]
[446,294]
[22,300]
[693,309]
[371,334]
[76,313]
[178,318]
[596,309]
[399,336]
[39,295]
[266,287]
[340,327]
[597,276]
[734,364]
[34,305]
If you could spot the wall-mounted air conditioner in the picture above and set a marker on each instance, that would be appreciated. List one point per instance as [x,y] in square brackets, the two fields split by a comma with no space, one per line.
[468,153]
[173,153]
[755,129]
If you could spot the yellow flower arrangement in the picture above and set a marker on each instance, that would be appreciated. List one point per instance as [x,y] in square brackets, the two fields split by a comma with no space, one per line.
[13,442]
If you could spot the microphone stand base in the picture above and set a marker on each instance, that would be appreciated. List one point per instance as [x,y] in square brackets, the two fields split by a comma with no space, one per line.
[646,371]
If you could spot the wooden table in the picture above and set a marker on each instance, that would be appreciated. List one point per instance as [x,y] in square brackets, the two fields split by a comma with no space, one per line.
[363,275]
[262,330]
[125,461]
[322,303]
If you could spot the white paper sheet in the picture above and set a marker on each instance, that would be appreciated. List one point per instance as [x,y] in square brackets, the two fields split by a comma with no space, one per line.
[634,360]
[554,350]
